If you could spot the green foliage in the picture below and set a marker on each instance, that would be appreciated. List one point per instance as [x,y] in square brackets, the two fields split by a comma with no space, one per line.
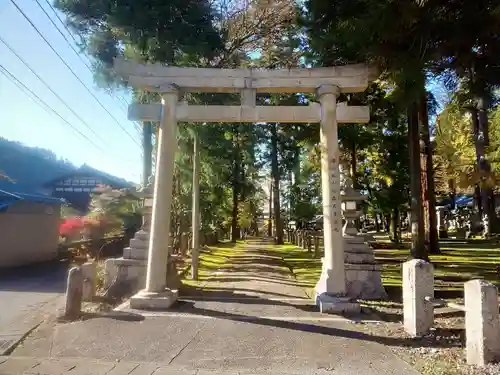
[383,166]
[155,30]
[117,211]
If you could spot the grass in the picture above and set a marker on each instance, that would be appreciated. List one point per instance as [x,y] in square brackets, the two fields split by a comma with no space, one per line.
[305,267]
[213,258]
[458,262]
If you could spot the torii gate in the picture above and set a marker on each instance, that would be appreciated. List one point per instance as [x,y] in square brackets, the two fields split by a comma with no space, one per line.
[327,83]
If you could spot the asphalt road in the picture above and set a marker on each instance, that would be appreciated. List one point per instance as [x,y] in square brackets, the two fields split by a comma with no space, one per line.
[28,295]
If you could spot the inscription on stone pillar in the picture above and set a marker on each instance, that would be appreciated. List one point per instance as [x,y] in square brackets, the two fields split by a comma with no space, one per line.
[334,182]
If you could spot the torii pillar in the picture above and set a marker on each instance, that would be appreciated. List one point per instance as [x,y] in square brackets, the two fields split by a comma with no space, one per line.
[156,294]
[331,287]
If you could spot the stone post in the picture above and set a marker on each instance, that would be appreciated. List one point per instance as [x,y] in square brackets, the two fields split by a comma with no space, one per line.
[184,244]
[195,220]
[331,287]
[74,293]
[89,274]
[155,295]
[482,327]
[316,245]
[441,222]
[418,283]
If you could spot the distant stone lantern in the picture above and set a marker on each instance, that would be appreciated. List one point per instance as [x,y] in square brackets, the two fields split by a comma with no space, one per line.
[145,193]
[350,199]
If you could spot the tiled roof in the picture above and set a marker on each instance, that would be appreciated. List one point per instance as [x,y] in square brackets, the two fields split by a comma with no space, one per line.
[11,192]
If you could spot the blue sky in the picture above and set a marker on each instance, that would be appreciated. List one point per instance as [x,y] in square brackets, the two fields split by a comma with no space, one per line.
[21,119]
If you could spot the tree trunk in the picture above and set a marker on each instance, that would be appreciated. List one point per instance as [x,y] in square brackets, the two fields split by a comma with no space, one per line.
[147,148]
[453,192]
[431,233]
[477,200]
[270,221]
[354,167]
[480,130]
[479,150]
[354,176]
[235,230]
[394,234]
[484,165]
[296,167]
[418,250]
[294,185]
[278,238]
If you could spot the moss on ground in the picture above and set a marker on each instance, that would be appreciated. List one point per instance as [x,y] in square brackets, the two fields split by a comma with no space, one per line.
[305,267]
[214,258]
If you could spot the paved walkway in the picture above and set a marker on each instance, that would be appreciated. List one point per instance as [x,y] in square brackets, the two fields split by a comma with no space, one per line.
[247,317]
[31,293]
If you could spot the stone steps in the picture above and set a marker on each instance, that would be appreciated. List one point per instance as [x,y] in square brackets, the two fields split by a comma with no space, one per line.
[142,235]
[134,253]
[139,244]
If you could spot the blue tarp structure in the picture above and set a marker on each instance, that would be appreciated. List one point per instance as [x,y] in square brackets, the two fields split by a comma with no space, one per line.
[464,200]
[11,193]
[460,201]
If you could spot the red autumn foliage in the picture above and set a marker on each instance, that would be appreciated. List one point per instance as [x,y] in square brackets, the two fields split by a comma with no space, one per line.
[73,225]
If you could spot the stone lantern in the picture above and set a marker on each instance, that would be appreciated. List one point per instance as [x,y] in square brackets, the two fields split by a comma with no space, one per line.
[350,208]
[363,280]
[130,270]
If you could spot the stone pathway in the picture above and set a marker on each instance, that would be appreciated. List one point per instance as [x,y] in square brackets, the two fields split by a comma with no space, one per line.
[247,317]
[29,295]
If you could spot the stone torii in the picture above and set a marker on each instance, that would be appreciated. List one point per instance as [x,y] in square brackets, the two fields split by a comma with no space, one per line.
[327,83]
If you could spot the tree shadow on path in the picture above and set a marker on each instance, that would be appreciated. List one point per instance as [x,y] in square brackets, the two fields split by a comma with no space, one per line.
[314,328]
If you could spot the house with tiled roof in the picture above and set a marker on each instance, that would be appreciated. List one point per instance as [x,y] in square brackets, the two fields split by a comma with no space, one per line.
[29,225]
[76,187]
